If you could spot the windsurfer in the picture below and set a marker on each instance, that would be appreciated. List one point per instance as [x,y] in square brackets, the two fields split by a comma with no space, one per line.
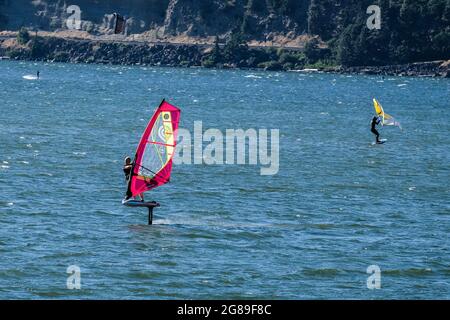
[375,121]
[127,169]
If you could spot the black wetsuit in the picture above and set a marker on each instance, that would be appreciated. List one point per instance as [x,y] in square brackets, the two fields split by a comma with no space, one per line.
[127,171]
[375,121]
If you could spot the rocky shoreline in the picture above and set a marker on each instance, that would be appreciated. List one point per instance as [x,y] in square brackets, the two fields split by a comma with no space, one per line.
[54,49]
[51,49]
[418,69]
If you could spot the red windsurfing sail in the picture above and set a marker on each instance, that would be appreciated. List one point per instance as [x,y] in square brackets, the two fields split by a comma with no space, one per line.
[153,161]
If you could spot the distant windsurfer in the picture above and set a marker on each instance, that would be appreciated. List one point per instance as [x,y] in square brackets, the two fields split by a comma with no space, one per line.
[37,74]
[375,121]
[127,170]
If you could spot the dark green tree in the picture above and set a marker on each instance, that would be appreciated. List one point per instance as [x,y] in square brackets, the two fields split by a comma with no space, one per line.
[23,36]
[236,48]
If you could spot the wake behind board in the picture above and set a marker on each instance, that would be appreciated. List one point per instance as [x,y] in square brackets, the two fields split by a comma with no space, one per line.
[30,77]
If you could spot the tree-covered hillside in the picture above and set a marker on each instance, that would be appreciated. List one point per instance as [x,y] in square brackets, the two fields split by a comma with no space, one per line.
[411,30]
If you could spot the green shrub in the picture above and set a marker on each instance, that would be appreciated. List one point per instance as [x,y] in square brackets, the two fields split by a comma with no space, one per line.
[270,65]
[208,62]
[23,36]
[38,49]
[288,66]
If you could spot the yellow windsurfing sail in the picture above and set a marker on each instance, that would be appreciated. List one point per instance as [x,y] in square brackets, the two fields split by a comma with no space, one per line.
[386,119]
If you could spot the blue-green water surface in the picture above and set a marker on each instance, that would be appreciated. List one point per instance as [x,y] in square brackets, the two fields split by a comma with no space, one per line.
[337,205]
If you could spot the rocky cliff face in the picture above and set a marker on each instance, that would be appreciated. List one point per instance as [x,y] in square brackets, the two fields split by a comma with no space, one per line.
[258,18]
[51,15]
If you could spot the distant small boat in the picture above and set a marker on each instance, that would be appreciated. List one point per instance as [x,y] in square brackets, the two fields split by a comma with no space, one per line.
[5,58]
